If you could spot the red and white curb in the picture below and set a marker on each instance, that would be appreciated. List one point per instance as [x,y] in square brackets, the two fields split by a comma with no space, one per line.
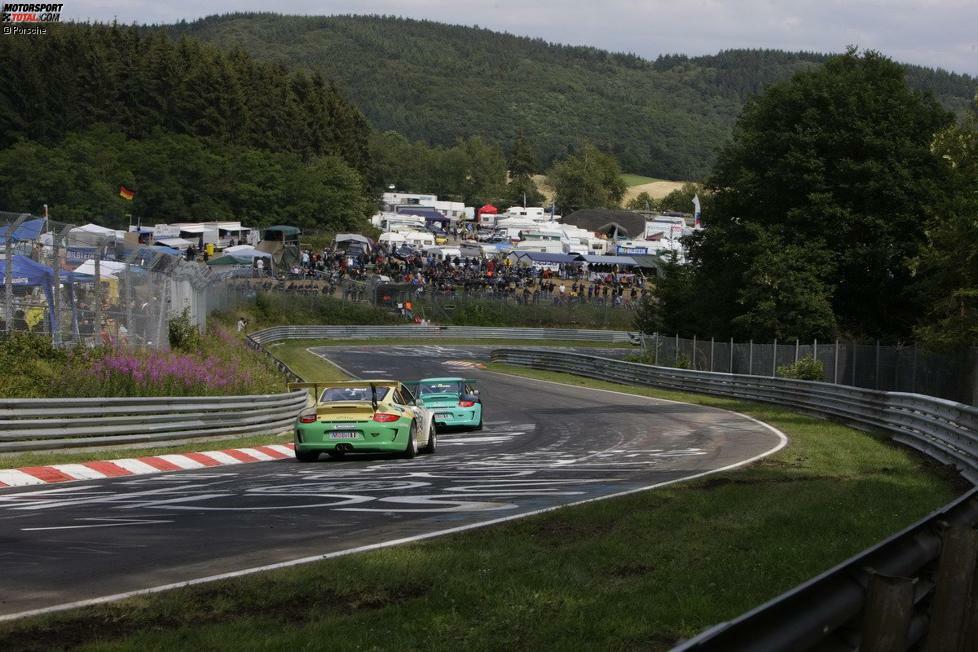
[32,475]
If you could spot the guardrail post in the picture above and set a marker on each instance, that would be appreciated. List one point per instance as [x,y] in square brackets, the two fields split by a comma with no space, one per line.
[952,590]
[888,612]
[774,358]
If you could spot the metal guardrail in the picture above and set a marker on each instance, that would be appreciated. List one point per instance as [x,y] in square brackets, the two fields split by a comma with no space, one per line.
[46,424]
[826,612]
[436,332]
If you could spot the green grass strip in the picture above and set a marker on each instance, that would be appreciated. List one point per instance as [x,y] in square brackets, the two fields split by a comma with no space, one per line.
[637,572]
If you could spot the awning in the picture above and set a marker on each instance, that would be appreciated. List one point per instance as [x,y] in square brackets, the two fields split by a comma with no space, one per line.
[194,229]
[107,268]
[352,237]
[29,230]
[174,243]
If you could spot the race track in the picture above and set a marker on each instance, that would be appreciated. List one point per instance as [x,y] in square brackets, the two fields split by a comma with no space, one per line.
[544,445]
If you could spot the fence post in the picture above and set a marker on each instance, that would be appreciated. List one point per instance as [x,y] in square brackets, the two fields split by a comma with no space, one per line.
[731,355]
[853,383]
[913,371]
[56,290]
[656,354]
[797,348]
[774,358]
[677,350]
[98,296]
[8,279]
[835,368]
[711,354]
[750,358]
[876,373]
[952,590]
[888,612]
[693,361]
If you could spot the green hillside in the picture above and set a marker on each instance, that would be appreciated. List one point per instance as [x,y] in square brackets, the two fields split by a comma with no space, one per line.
[438,83]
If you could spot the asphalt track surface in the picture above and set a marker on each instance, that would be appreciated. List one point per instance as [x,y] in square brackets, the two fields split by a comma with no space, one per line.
[544,445]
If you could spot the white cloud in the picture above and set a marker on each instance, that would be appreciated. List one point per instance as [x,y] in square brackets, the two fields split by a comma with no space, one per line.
[937,33]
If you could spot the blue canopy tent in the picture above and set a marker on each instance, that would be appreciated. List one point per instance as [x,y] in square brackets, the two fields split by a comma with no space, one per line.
[29,230]
[28,273]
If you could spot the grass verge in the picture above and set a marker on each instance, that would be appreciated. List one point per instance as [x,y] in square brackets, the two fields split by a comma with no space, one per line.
[636,572]
[301,345]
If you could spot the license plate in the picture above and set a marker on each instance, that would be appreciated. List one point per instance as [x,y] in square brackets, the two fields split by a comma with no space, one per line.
[343,435]
[443,415]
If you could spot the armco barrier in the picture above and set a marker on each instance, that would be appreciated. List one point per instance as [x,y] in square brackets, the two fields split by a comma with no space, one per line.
[825,613]
[435,332]
[46,424]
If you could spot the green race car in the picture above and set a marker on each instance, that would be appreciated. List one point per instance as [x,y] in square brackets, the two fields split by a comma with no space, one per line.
[376,416]
[454,402]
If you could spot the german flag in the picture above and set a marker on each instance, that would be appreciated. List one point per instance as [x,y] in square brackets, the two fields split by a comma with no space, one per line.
[125,193]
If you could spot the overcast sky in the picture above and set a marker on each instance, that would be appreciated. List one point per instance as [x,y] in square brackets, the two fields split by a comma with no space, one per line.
[937,33]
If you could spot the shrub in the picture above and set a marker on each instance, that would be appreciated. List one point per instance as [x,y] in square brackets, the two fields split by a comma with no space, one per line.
[184,335]
[807,368]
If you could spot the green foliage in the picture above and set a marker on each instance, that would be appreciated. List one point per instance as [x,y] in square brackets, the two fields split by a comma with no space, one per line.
[587,179]
[29,363]
[141,82]
[948,264]
[471,170]
[183,333]
[681,200]
[642,202]
[807,368]
[522,160]
[438,83]
[673,304]
[820,198]
[180,177]
[275,309]
[196,132]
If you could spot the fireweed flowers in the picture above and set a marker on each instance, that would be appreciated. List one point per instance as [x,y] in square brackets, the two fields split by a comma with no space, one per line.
[222,366]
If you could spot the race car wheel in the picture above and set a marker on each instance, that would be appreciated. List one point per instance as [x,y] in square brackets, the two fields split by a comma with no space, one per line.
[432,441]
[412,446]
[307,456]
[479,427]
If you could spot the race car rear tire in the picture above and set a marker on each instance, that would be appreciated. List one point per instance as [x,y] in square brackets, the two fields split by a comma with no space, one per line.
[411,450]
[307,456]
[432,444]
[479,426]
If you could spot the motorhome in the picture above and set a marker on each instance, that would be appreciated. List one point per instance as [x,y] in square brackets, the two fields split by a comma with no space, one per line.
[671,227]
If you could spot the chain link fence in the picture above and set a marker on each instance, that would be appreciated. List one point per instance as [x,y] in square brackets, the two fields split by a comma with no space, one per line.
[89,285]
[953,376]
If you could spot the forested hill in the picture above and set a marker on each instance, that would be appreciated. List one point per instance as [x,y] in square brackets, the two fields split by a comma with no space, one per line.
[438,83]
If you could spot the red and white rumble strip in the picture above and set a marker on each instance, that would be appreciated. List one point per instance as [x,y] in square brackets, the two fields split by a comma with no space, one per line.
[31,475]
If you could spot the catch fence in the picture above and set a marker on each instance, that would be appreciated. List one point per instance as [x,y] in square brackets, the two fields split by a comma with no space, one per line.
[909,368]
[91,285]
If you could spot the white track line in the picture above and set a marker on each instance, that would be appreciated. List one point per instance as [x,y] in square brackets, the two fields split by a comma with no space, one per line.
[782,442]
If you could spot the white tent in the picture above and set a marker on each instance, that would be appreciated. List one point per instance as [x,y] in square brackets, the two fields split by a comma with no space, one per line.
[175,243]
[107,268]
[245,251]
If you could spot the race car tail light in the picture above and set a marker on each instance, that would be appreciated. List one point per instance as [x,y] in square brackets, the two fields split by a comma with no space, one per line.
[307,418]
[466,403]
[383,417]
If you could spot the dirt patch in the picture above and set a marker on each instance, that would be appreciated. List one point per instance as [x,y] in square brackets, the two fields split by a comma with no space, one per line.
[209,605]
[712,483]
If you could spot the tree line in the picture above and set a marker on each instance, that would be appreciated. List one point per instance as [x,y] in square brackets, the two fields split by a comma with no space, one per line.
[197,132]
[439,84]
[845,205]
